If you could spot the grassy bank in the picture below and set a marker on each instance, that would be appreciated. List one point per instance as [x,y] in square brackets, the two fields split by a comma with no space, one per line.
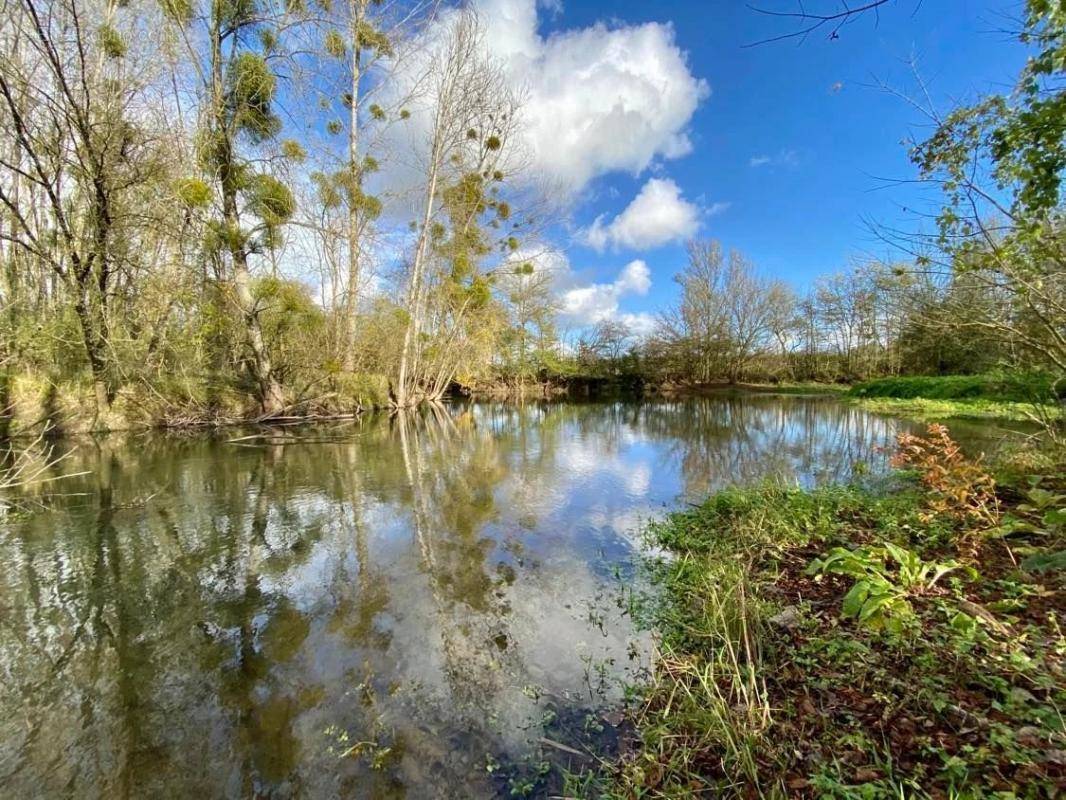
[846,642]
[1022,397]
[1022,387]
[938,410]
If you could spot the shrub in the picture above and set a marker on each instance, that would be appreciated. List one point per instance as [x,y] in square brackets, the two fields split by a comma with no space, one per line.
[360,390]
[958,487]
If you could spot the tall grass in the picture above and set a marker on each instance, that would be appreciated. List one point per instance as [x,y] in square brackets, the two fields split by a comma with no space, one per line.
[706,712]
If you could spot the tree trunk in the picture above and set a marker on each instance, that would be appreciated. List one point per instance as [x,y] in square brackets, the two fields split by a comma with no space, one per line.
[95,350]
[357,9]
[404,396]
[271,397]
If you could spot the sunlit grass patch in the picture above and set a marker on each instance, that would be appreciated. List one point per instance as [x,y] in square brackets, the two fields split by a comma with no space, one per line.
[938,410]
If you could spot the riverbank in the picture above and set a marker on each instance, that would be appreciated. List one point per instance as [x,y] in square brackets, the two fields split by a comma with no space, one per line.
[1021,397]
[856,642]
[801,387]
[32,404]
[926,410]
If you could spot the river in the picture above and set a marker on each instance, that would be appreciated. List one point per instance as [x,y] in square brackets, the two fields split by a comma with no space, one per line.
[388,607]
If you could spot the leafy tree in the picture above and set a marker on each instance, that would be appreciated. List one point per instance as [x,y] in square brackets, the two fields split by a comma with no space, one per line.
[1000,164]
[248,206]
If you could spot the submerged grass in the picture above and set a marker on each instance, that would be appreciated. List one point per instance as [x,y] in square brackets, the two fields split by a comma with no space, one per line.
[922,658]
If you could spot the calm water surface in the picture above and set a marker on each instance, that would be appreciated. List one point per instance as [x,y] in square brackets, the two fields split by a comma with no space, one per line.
[374,609]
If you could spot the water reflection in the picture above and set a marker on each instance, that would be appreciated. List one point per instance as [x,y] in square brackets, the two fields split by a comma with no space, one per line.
[361,610]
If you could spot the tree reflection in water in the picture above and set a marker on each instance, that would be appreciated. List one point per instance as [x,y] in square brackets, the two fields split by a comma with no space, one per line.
[361,610]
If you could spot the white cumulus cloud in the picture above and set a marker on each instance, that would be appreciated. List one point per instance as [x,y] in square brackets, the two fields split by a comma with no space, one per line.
[640,325]
[596,302]
[657,215]
[598,99]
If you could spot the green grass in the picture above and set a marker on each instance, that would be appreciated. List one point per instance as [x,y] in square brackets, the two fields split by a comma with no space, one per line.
[1023,387]
[1021,397]
[928,410]
[806,387]
[745,702]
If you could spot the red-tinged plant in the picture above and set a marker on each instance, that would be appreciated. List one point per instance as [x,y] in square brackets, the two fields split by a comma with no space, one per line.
[958,487]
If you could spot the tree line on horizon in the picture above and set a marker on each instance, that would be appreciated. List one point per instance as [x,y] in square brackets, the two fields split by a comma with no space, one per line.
[174,246]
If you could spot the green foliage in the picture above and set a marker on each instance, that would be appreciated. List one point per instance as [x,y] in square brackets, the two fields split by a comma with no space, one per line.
[1022,387]
[370,38]
[210,146]
[1022,136]
[339,188]
[222,237]
[249,96]
[1009,231]
[360,390]
[293,150]
[939,410]
[880,596]
[235,14]
[328,192]
[293,324]
[193,192]
[111,42]
[368,204]
[180,11]
[334,44]
[270,200]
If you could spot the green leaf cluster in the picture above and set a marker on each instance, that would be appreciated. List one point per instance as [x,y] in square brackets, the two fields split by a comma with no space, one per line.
[251,87]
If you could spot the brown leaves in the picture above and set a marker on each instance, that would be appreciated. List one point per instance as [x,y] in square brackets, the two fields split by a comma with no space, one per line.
[958,487]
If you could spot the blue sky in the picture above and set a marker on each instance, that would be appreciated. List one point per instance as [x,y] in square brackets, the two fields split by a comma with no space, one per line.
[811,108]
[653,122]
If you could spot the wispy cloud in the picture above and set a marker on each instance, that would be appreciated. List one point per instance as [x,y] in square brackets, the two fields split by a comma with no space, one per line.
[786,157]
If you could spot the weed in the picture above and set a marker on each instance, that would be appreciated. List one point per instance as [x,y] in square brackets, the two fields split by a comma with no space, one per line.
[880,597]
[957,486]
[746,700]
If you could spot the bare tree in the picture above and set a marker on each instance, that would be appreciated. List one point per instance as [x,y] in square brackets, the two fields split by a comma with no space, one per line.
[69,102]
[473,118]
[831,18]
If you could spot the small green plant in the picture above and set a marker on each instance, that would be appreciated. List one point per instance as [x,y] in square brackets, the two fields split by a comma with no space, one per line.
[1049,506]
[886,578]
